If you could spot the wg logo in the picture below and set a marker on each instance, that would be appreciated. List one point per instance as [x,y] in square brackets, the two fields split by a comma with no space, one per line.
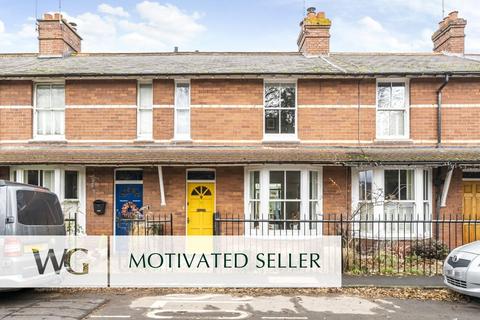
[65,261]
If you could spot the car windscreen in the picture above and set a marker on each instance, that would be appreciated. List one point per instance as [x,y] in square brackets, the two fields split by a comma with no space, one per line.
[38,208]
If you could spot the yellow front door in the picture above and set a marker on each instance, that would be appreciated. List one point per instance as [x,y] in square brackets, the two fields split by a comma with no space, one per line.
[200,206]
[471,210]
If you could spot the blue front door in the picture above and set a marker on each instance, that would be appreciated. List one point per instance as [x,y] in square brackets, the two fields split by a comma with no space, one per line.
[129,198]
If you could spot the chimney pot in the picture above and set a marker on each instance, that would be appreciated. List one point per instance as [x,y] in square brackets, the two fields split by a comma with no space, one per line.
[314,38]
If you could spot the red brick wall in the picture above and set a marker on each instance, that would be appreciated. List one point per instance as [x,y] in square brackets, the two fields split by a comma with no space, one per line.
[336,123]
[423,123]
[229,195]
[227,92]
[346,122]
[458,123]
[163,123]
[16,123]
[317,120]
[336,196]
[100,123]
[452,234]
[227,123]
[164,92]
[16,93]
[98,92]
[99,185]
[336,92]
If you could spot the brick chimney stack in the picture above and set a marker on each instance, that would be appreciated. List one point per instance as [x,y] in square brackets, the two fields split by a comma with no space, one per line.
[57,37]
[450,36]
[314,38]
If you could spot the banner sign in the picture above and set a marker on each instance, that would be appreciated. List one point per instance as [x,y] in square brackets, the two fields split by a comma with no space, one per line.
[170,261]
[53,261]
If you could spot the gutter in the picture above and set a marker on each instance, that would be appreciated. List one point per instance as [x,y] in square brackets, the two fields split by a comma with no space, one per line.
[439,110]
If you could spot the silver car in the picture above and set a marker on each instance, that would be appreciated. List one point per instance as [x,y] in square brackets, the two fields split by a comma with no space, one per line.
[25,210]
[461,270]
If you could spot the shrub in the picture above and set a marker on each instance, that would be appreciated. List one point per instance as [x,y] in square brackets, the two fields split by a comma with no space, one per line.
[430,250]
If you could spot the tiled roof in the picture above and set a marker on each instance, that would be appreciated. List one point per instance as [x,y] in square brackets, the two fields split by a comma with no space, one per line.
[234,155]
[202,63]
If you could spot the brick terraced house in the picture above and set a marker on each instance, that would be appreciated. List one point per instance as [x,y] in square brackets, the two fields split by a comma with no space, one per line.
[307,135]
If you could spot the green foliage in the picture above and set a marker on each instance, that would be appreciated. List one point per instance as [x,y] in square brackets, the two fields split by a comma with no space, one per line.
[430,250]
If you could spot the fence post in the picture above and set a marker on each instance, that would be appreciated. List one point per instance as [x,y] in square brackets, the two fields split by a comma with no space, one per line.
[341,241]
[215,225]
[75,224]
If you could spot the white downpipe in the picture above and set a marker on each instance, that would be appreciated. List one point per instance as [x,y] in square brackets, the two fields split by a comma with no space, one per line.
[446,187]
[162,189]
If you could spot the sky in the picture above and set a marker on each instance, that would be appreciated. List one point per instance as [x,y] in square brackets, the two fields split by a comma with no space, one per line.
[236,25]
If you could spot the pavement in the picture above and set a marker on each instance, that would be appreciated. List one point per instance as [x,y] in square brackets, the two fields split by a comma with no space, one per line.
[284,305]
[153,304]
[433,282]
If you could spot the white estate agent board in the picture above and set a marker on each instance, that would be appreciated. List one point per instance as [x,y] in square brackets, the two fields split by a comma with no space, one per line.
[162,261]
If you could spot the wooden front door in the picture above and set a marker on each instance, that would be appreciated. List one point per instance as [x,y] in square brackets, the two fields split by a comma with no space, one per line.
[471,210]
[200,207]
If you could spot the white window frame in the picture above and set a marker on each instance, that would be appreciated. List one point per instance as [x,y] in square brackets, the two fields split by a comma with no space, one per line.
[286,137]
[59,186]
[141,136]
[419,230]
[177,136]
[264,179]
[406,122]
[48,137]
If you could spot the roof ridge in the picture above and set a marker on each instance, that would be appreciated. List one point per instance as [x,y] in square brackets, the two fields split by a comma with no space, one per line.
[324,58]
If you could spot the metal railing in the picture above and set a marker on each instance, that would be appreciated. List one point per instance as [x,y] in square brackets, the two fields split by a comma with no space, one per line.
[373,246]
[151,225]
[71,225]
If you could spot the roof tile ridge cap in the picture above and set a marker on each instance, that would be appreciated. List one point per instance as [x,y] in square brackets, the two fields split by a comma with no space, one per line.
[324,58]
[462,56]
[353,65]
[383,53]
[168,53]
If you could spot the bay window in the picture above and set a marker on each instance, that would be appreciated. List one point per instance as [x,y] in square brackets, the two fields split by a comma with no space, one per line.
[68,183]
[386,202]
[49,111]
[280,110]
[392,110]
[279,200]
[145,111]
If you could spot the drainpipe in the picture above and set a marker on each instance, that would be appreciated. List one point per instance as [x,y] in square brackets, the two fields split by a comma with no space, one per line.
[439,110]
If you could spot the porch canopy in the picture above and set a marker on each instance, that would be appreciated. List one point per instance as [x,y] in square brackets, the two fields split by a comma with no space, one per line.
[240,155]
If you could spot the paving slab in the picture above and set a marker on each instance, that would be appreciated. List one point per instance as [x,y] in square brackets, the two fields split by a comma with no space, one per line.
[393,281]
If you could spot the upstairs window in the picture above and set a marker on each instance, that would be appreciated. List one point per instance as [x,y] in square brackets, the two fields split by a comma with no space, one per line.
[182,111]
[50,111]
[392,110]
[280,110]
[145,111]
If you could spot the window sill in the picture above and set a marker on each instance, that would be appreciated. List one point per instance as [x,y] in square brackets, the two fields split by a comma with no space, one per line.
[393,141]
[181,140]
[57,139]
[144,140]
[280,139]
